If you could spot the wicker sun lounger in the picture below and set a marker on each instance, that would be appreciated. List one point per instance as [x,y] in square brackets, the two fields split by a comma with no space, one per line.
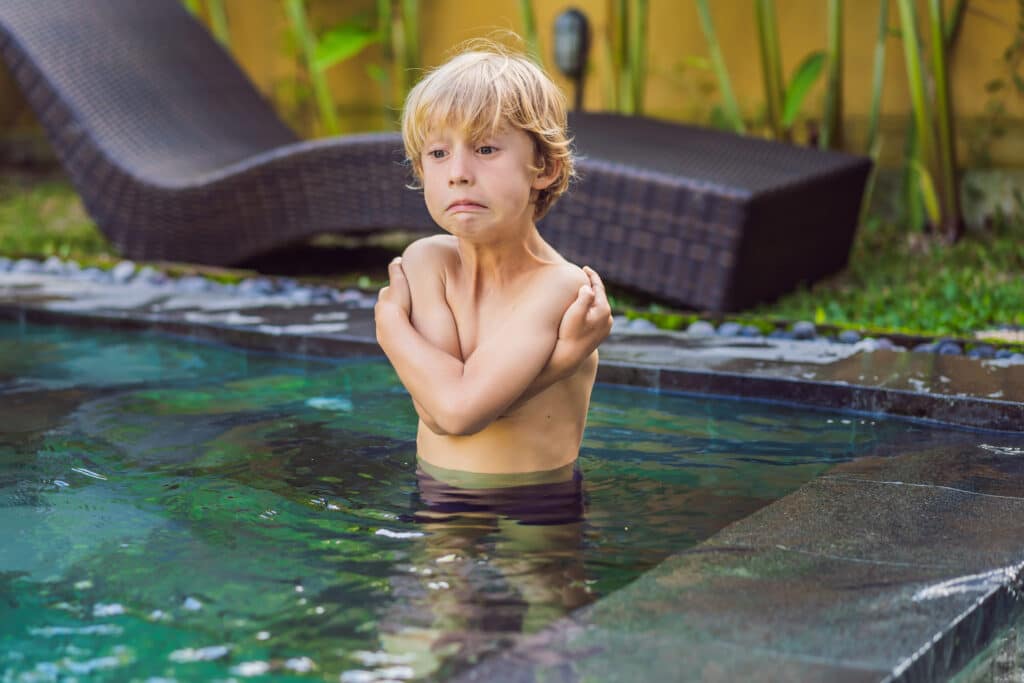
[178,157]
[174,152]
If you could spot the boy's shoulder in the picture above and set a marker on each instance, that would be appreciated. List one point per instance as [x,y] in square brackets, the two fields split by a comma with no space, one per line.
[430,253]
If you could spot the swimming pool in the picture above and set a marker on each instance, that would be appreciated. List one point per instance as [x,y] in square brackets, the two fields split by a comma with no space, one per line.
[173,510]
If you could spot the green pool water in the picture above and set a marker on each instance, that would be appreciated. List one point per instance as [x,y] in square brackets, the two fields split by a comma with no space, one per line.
[178,511]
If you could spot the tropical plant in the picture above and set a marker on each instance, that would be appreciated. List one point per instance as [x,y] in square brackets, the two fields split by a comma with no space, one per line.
[397,32]
[831,120]
[529,19]
[784,100]
[931,165]
[626,52]
[730,110]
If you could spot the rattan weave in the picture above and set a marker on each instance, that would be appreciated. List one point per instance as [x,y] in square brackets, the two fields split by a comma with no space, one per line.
[178,157]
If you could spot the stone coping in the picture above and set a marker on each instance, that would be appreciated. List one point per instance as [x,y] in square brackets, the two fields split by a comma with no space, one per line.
[957,390]
[898,566]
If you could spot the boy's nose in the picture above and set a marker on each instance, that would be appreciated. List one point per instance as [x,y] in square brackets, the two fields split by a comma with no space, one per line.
[458,171]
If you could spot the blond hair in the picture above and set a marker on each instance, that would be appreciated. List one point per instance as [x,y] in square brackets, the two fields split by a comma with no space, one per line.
[482,89]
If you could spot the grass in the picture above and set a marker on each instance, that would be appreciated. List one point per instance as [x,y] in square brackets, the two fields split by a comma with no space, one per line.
[896,282]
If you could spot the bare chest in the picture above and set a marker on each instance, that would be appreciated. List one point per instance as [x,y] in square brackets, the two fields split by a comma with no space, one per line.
[480,317]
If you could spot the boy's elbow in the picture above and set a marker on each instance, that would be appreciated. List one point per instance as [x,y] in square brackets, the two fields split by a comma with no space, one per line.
[459,419]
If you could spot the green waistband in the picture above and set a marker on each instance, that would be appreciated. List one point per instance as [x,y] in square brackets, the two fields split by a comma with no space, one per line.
[481,480]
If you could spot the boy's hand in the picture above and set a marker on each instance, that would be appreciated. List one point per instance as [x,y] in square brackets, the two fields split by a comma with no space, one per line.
[588,320]
[396,293]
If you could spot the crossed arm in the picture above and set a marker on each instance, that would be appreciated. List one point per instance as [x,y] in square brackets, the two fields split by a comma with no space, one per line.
[553,335]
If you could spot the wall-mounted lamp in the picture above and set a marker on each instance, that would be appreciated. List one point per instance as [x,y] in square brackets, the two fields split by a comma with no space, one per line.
[572,41]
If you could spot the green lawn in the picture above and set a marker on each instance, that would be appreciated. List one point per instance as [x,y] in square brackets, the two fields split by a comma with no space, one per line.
[896,281]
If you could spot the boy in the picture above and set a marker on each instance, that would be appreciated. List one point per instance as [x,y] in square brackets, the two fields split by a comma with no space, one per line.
[491,331]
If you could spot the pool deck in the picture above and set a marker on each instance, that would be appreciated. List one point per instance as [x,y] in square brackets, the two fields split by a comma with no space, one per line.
[899,566]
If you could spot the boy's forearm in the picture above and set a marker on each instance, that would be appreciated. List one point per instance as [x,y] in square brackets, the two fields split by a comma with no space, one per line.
[563,362]
[427,372]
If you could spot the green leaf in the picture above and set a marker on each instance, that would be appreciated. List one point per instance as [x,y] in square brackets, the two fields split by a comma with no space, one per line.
[800,84]
[819,316]
[341,43]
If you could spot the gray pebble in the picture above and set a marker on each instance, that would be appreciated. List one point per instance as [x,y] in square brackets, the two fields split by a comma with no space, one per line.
[925,348]
[642,324]
[982,351]
[849,337]
[95,275]
[750,331]
[72,268]
[26,265]
[255,286]
[886,343]
[948,347]
[804,329]
[122,272]
[193,284]
[1017,359]
[729,329]
[5,264]
[620,322]
[301,295]
[352,296]
[781,334]
[700,328]
[53,265]
[1004,353]
[148,275]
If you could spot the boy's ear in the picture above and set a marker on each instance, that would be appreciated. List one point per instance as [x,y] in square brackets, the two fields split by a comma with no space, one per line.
[548,175]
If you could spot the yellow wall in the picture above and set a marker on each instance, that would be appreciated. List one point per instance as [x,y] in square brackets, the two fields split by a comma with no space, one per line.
[676,88]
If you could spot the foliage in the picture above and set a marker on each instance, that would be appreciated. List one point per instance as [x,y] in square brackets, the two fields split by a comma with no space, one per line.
[902,282]
[41,218]
[832,117]
[783,101]
[931,162]
[395,29]
[626,53]
[729,112]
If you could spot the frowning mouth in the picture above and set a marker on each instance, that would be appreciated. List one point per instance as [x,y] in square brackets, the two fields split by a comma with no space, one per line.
[465,205]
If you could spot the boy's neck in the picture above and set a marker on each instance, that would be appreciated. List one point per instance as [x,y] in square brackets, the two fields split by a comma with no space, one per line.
[495,264]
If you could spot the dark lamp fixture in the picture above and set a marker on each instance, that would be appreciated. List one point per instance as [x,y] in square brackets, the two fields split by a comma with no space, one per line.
[572,41]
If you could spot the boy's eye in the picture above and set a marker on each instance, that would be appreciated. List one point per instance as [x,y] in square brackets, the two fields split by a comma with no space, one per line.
[436,154]
[486,149]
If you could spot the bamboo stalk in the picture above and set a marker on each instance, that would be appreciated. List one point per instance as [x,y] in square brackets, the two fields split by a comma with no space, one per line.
[638,53]
[411,56]
[620,19]
[878,78]
[831,128]
[296,12]
[729,105]
[219,22]
[771,64]
[530,30]
[192,6]
[915,81]
[952,225]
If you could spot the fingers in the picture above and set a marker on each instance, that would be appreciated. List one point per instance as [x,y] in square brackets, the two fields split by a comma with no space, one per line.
[395,269]
[595,282]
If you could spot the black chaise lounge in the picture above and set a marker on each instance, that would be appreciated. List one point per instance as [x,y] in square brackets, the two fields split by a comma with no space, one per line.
[178,157]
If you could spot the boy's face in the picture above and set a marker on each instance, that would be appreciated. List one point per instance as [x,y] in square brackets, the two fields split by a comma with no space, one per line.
[481,189]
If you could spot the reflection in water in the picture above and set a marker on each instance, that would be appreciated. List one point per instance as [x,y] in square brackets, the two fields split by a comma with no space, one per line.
[495,562]
[170,510]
